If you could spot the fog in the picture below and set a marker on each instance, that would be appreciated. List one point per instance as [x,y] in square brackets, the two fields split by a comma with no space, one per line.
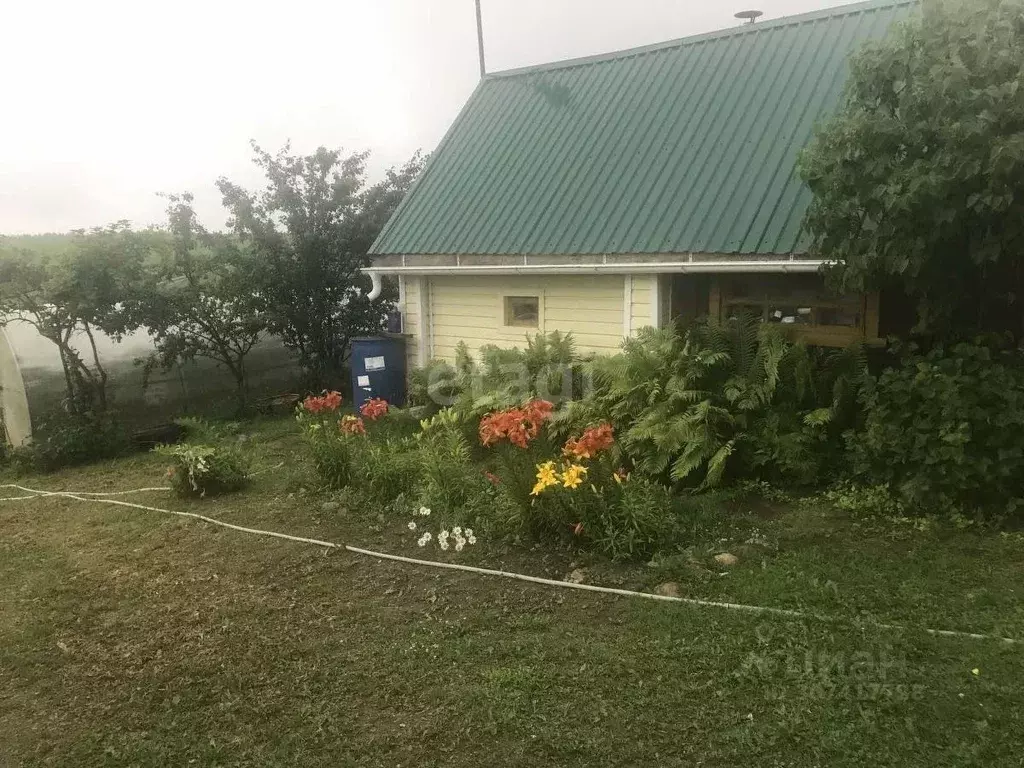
[107,103]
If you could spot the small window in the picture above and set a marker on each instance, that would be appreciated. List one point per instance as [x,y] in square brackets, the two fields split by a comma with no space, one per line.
[522,311]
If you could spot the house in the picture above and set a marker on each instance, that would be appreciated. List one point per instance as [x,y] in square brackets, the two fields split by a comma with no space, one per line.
[603,194]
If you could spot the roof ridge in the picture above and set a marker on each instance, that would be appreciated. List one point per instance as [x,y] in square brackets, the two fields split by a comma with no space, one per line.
[740,29]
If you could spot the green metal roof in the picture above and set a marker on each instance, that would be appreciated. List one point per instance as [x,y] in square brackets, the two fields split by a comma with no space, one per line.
[683,147]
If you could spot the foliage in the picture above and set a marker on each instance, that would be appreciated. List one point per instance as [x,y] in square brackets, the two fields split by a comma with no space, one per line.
[517,442]
[864,501]
[69,294]
[333,449]
[433,386]
[67,440]
[204,470]
[198,298]
[917,178]
[690,404]
[372,452]
[586,495]
[384,467]
[309,231]
[643,520]
[451,482]
[945,431]
[546,368]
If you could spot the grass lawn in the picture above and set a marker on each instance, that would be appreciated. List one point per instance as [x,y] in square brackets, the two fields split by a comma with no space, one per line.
[133,638]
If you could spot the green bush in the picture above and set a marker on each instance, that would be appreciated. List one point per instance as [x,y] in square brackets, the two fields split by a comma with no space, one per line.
[710,402]
[547,367]
[622,518]
[204,470]
[382,468]
[643,520]
[945,431]
[67,441]
[863,501]
[373,453]
[451,481]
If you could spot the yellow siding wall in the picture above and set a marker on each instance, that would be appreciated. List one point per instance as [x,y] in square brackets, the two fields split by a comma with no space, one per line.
[642,296]
[410,307]
[665,297]
[470,309]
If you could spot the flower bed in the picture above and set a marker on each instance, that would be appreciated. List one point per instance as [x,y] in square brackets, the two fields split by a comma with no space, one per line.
[519,478]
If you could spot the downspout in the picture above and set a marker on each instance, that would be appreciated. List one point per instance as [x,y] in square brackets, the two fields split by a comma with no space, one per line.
[376,286]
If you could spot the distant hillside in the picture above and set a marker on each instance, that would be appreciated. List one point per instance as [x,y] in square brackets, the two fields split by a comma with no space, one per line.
[54,242]
[51,242]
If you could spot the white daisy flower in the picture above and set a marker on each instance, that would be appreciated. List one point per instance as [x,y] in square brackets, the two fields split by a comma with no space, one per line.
[422,540]
[471,539]
[412,525]
[443,543]
[443,535]
[425,512]
[468,532]
[459,544]
[457,531]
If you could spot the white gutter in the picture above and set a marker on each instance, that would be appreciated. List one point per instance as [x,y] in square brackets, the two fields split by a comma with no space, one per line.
[626,268]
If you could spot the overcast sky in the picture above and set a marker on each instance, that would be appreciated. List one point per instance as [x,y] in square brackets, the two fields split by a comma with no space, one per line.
[107,102]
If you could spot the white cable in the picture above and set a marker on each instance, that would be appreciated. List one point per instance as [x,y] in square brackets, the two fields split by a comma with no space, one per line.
[93,497]
[77,493]
[266,469]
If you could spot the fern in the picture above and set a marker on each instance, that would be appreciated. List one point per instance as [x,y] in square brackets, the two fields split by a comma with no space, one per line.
[696,404]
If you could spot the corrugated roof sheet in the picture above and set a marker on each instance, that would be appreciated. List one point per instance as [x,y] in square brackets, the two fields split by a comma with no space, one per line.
[682,147]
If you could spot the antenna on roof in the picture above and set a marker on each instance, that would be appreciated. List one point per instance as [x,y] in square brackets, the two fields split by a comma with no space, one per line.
[750,16]
[480,38]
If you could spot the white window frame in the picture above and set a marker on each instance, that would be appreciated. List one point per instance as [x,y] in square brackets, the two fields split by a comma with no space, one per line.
[525,294]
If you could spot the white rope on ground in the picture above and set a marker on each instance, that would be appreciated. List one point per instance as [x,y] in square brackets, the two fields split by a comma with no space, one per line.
[37,492]
[758,609]
[266,469]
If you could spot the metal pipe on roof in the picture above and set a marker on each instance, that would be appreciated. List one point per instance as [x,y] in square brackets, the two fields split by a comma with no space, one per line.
[480,39]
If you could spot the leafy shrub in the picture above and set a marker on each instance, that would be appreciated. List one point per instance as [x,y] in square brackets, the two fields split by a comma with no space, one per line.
[331,447]
[581,494]
[863,501]
[67,441]
[384,468]
[371,452]
[693,404]
[334,455]
[517,441]
[547,368]
[620,516]
[435,385]
[945,431]
[450,479]
[204,470]
[643,520]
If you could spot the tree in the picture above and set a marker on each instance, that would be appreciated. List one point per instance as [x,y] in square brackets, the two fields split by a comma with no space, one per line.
[198,300]
[918,180]
[310,230]
[69,295]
